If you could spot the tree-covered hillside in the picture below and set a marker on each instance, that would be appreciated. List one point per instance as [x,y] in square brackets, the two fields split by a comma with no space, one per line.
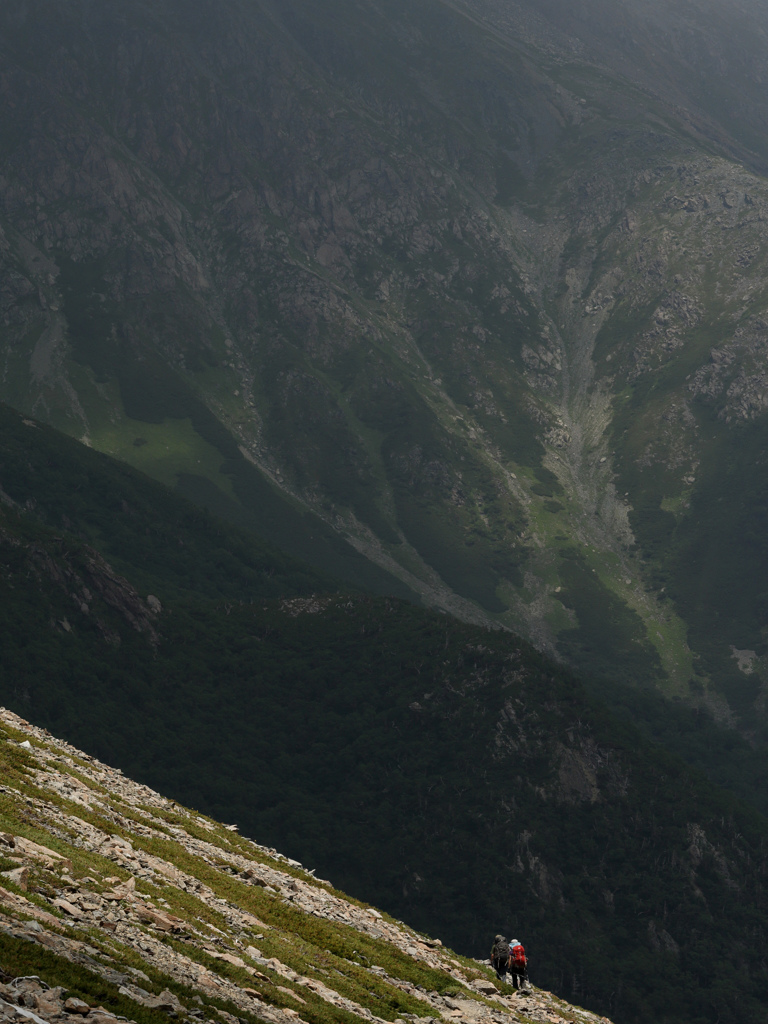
[447,771]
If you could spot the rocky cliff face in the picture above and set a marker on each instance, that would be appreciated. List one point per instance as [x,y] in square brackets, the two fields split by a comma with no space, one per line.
[126,906]
[477,284]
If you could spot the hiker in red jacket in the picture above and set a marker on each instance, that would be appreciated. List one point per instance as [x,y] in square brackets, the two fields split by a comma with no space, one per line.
[518,966]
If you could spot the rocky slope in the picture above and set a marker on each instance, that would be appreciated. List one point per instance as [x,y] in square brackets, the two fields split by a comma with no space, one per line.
[127,906]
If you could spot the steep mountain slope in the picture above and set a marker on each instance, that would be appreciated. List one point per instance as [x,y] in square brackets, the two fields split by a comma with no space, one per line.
[705,61]
[162,540]
[126,905]
[446,771]
[475,284]
[137,906]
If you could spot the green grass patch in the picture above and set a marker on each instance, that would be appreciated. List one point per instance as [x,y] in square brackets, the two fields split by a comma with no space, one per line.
[162,450]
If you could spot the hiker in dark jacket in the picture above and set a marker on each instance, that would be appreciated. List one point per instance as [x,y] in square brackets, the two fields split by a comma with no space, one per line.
[518,966]
[500,956]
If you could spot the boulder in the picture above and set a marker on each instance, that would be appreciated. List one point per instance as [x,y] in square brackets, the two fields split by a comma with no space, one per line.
[69,908]
[18,876]
[166,1001]
[74,1005]
[229,958]
[250,876]
[41,854]
[486,987]
[49,1003]
[165,922]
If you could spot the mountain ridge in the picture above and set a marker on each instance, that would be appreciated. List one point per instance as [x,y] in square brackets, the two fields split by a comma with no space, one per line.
[367,274]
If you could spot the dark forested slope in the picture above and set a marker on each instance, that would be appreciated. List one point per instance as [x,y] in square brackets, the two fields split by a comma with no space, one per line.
[447,771]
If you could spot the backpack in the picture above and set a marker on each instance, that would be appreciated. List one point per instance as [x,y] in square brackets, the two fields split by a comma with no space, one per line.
[518,956]
[501,950]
